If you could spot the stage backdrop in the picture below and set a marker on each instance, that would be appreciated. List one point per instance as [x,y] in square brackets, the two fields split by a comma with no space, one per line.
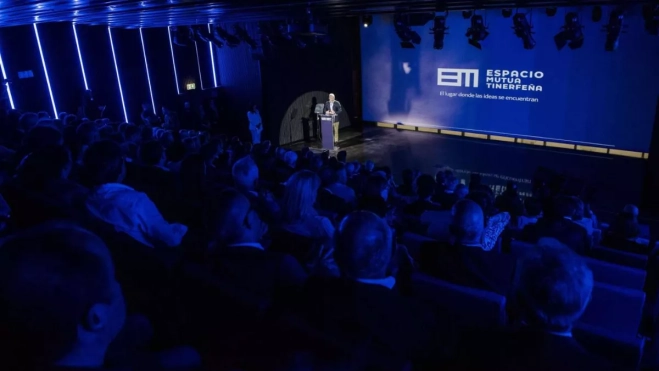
[585,96]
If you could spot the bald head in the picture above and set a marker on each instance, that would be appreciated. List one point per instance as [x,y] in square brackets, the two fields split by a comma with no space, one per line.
[468,222]
[363,246]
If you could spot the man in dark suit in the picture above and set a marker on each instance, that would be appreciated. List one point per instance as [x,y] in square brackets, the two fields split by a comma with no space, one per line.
[333,107]
[463,261]
[551,290]
[557,223]
[361,309]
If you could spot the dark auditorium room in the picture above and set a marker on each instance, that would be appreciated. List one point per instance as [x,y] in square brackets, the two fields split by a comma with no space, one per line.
[329,185]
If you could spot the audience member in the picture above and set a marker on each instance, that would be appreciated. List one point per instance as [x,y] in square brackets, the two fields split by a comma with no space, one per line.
[425,188]
[298,213]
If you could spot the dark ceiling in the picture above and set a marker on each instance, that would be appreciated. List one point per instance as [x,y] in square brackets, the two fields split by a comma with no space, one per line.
[158,13]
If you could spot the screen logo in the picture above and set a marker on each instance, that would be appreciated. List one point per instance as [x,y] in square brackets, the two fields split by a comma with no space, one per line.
[457,77]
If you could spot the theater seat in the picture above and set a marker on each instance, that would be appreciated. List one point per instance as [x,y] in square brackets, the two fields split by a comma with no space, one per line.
[617,275]
[519,247]
[477,308]
[615,309]
[620,257]
[623,351]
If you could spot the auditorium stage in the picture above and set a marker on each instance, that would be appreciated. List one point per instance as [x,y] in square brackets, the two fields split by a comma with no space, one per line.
[618,180]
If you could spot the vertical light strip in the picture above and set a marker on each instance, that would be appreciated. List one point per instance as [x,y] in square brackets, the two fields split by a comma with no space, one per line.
[148,77]
[210,45]
[82,65]
[4,76]
[116,68]
[201,80]
[171,48]
[45,70]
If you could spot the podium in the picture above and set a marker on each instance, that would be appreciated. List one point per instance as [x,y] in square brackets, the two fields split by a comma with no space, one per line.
[327,130]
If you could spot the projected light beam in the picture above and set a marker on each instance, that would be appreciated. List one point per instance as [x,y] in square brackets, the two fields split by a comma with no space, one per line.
[4,77]
[210,46]
[116,68]
[171,48]
[82,65]
[148,77]
[45,70]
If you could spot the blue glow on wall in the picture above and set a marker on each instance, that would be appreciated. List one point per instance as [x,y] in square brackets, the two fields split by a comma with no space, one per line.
[116,68]
[45,70]
[4,76]
[210,46]
[148,76]
[171,48]
[82,65]
[201,80]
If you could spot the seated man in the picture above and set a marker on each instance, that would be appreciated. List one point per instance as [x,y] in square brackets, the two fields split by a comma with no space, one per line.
[245,176]
[60,304]
[120,206]
[425,188]
[362,303]
[463,261]
[557,223]
[337,184]
[239,259]
[551,288]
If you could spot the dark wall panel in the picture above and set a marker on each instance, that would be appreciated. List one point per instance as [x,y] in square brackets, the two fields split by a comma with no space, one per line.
[159,58]
[20,52]
[128,47]
[61,55]
[99,66]
[186,66]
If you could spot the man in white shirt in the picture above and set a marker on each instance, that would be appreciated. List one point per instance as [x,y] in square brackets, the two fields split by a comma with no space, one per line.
[333,107]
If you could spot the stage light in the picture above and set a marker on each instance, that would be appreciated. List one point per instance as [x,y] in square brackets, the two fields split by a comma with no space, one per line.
[4,78]
[183,36]
[222,34]
[477,32]
[82,65]
[439,30]
[551,11]
[506,13]
[367,20]
[148,76]
[210,45]
[171,49]
[524,30]
[651,16]
[116,68]
[571,34]
[466,14]
[613,30]
[597,13]
[45,70]
[244,36]
[407,36]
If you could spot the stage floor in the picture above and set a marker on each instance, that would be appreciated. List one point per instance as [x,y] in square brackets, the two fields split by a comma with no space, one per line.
[618,180]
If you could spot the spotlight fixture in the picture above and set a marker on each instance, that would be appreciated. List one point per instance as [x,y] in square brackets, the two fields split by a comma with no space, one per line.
[651,16]
[613,30]
[222,34]
[477,32]
[466,14]
[367,20]
[524,30]
[597,13]
[571,34]
[439,30]
[407,36]
[205,37]
[183,36]
[506,12]
[244,36]
[551,11]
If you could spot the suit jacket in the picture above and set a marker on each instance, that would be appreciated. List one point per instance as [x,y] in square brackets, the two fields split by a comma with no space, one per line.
[257,271]
[523,350]
[468,266]
[336,107]
[564,230]
[395,329]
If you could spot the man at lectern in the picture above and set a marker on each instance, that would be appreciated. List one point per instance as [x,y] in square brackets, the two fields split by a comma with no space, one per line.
[333,107]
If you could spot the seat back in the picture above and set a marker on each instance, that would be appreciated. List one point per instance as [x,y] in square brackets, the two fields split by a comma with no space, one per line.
[620,257]
[413,243]
[623,351]
[615,309]
[474,307]
[519,247]
[617,275]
